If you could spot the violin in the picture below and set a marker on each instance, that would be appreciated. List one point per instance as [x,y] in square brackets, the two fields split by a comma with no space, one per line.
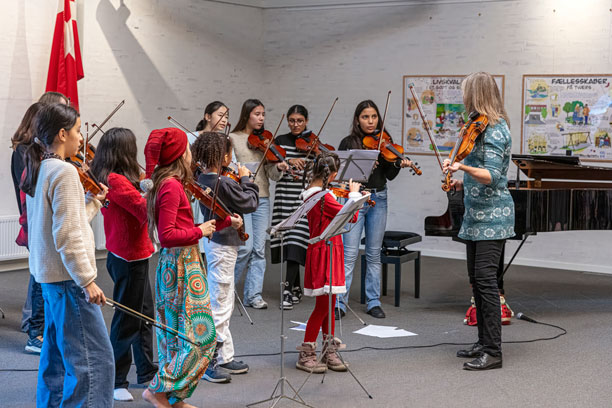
[308,142]
[88,180]
[344,193]
[220,210]
[231,173]
[390,151]
[475,125]
[263,140]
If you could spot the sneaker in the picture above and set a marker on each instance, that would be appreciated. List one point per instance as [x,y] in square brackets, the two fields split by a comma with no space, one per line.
[214,374]
[122,394]
[287,303]
[34,345]
[296,295]
[235,367]
[258,303]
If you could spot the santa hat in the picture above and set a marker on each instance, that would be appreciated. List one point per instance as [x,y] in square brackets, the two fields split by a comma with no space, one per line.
[163,147]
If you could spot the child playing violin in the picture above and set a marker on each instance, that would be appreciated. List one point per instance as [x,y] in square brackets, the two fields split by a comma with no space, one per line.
[181,295]
[286,201]
[129,249]
[316,277]
[212,150]
[252,256]
[76,362]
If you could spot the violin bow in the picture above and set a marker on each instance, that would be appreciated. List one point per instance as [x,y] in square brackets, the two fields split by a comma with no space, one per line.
[426,125]
[178,124]
[89,138]
[320,130]
[268,147]
[147,320]
[382,131]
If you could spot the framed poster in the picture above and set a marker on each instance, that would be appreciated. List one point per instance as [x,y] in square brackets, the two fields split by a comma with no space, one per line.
[567,115]
[442,102]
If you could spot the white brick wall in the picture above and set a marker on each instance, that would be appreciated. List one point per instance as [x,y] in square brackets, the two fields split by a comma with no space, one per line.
[360,53]
[172,57]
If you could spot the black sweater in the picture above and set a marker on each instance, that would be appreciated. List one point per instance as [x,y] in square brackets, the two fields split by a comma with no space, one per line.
[240,198]
[17,167]
[384,170]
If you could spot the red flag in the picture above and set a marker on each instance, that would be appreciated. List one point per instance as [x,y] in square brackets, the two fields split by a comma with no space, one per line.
[65,65]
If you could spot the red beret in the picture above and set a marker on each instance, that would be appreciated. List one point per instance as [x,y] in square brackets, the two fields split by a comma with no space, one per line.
[163,147]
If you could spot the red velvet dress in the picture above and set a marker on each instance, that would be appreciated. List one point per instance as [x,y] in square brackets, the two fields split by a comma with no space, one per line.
[316,276]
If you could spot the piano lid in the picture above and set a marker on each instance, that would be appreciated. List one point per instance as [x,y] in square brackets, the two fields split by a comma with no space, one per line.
[559,167]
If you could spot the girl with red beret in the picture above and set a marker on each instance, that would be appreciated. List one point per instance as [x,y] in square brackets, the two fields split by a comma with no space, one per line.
[181,293]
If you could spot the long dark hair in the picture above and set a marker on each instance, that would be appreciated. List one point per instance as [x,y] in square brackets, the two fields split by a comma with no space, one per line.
[179,169]
[48,122]
[209,110]
[356,133]
[210,147]
[117,153]
[245,113]
[25,132]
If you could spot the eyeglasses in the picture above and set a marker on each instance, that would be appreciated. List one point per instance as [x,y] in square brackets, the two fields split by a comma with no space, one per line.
[296,121]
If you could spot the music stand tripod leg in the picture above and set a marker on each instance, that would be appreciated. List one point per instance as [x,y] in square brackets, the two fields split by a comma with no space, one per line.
[241,305]
[280,384]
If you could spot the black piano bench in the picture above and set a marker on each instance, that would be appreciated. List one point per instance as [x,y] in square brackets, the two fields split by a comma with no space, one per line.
[394,252]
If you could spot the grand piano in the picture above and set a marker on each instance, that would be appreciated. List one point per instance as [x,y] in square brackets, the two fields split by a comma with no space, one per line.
[560,194]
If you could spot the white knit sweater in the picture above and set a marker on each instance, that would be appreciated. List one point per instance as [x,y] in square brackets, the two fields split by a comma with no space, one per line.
[60,239]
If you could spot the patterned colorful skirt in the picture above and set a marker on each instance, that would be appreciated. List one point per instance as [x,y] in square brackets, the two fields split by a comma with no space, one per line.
[182,302]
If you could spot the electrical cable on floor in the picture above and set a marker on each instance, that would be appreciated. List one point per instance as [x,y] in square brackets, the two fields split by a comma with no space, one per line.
[519,316]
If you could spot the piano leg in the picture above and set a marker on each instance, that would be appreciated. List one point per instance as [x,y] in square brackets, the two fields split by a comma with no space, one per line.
[500,278]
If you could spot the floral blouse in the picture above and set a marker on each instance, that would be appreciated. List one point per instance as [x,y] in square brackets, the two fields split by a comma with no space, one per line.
[489,208]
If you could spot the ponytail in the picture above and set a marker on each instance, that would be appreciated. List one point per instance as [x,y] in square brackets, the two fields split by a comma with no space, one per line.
[48,122]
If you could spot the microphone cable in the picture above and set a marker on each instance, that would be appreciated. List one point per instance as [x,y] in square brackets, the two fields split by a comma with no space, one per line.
[519,316]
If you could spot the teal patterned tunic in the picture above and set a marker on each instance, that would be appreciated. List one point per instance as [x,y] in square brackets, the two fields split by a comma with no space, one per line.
[489,209]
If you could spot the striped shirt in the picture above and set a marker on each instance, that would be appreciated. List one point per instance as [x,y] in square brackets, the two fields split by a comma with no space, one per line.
[286,201]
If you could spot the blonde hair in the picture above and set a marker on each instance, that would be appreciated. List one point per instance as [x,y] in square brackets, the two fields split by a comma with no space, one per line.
[481,94]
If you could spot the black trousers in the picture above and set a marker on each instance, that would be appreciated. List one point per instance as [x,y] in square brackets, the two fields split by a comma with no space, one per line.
[483,259]
[293,275]
[132,289]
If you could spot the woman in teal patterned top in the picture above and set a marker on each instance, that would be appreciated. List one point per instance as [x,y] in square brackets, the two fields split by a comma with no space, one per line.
[489,214]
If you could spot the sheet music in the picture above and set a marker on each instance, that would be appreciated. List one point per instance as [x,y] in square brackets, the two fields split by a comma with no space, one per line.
[338,224]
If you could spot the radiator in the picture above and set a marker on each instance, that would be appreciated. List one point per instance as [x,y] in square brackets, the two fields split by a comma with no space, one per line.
[9,228]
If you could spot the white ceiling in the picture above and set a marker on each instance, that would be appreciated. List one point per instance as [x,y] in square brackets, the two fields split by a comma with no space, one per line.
[323,4]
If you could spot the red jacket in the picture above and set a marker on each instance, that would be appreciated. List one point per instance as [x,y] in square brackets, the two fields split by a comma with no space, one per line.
[175,226]
[125,220]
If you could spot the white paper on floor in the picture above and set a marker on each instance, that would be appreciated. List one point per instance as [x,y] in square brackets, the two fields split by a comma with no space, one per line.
[383,332]
[300,326]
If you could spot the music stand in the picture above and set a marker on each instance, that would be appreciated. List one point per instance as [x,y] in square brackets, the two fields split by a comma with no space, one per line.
[279,230]
[337,226]
[356,164]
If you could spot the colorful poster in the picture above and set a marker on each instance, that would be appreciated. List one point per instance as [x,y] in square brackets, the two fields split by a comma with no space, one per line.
[442,102]
[567,115]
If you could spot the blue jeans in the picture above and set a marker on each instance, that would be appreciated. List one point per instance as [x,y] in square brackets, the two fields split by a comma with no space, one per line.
[252,256]
[374,220]
[76,366]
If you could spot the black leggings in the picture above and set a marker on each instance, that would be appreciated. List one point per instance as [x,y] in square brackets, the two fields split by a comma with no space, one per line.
[293,275]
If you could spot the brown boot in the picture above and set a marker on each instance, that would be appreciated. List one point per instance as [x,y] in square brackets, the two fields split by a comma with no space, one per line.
[308,359]
[330,355]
